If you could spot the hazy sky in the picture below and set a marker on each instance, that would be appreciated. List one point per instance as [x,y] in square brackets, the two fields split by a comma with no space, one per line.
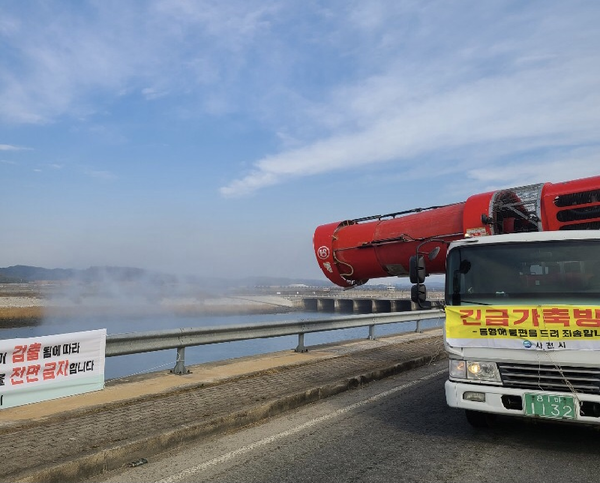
[212,137]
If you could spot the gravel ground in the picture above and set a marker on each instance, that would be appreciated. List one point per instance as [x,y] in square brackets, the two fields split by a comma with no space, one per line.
[11,301]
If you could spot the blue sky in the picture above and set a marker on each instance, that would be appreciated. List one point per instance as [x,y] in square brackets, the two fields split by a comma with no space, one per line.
[212,137]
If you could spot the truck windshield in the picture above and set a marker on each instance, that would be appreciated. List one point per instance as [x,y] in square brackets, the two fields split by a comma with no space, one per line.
[565,272]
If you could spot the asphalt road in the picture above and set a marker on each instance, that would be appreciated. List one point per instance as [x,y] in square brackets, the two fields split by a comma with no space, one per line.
[397,429]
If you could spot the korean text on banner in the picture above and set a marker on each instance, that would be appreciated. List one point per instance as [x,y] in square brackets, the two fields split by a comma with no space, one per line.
[49,367]
[542,327]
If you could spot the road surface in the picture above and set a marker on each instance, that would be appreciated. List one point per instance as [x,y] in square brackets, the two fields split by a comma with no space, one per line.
[397,429]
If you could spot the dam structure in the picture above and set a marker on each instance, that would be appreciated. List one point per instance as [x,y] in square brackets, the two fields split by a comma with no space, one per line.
[356,305]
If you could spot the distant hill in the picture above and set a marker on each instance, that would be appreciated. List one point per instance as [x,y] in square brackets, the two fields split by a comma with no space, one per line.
[5,279]
[25,273]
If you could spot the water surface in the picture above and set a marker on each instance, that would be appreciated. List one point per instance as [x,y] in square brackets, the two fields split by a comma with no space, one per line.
[122,366]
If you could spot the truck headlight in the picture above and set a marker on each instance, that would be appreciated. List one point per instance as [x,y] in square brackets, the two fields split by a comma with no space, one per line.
[483,371]
[474,371]
[458,369]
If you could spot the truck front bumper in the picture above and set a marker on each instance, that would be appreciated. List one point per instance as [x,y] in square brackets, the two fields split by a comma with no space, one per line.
[508,401]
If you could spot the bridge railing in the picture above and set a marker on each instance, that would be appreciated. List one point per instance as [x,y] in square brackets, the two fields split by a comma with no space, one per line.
[139,342]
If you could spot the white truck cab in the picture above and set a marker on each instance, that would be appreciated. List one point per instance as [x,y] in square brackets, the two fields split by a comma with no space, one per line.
[522,326]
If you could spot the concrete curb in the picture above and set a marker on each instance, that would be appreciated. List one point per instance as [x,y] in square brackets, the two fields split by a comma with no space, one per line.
[119,455]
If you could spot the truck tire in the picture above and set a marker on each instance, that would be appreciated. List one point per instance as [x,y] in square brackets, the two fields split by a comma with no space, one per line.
[478,419]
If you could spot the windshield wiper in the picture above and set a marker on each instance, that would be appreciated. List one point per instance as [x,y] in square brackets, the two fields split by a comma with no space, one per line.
[474,302]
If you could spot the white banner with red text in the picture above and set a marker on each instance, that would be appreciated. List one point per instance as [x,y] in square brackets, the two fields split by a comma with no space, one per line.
[36,369]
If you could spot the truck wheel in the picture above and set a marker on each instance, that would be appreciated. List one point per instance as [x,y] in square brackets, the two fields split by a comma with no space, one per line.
[480,420]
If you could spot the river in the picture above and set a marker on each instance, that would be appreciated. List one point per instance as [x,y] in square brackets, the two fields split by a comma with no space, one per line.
[124,366]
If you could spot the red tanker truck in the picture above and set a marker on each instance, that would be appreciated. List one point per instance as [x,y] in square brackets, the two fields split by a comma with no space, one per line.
[351,252]
[522,327]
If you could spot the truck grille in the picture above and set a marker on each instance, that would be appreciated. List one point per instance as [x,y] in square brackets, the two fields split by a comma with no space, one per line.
[585,380]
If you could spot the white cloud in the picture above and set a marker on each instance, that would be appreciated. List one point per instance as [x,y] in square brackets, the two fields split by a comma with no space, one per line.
[485,95]
[152,93]
[158,48]
[554,167]
[499,116]
[102,175]
[232,23]
[10,147]
[342,86]
[54,64]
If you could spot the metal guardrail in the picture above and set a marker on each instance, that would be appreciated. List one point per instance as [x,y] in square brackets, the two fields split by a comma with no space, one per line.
[139,342]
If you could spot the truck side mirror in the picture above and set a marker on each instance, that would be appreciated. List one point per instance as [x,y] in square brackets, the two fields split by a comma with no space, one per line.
[416,269]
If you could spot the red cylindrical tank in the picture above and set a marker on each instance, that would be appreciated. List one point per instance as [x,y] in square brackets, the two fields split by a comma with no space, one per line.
[353,251]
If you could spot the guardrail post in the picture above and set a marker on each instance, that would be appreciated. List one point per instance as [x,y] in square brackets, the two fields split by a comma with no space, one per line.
[301,347]
[179,368]
[418,328]
[372,332]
